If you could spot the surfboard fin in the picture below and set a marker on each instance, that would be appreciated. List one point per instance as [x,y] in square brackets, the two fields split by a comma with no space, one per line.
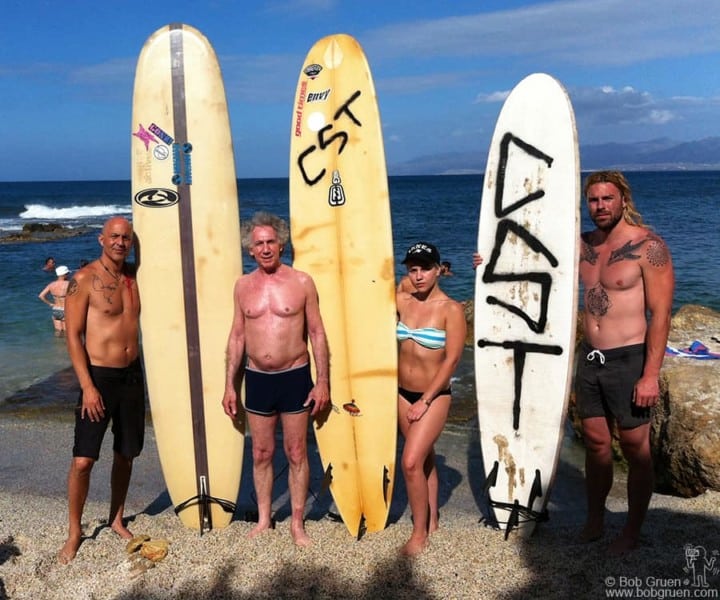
[362,528]
[513,519]
[386,483]
[203,501]
[536,489]
[327,479]
[491,479]
[518,514]
[204,506]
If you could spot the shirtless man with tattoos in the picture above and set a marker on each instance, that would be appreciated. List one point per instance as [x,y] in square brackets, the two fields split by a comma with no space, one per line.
[102,311]
[627,276]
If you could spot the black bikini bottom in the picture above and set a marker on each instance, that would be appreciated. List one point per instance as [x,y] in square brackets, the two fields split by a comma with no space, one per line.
[413,397]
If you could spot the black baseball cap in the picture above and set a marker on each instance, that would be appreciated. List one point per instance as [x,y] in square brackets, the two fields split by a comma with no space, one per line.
[423,253]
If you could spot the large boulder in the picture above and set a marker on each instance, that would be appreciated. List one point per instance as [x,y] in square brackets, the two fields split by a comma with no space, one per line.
[685,432]
[686,427]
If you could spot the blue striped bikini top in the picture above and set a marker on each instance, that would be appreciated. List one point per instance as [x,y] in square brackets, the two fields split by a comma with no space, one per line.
[429,337]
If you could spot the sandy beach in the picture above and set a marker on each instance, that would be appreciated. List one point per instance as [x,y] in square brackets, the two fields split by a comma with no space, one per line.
[465,559]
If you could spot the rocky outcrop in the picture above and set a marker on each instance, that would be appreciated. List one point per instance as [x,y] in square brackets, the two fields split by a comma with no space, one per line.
[43,232]
[685,432]
[686,427]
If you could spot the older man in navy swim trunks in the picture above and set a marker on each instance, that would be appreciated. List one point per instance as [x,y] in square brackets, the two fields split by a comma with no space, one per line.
[276,310]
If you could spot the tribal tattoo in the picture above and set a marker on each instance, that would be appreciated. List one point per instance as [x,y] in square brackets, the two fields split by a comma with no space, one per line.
[597,301]
[72,288]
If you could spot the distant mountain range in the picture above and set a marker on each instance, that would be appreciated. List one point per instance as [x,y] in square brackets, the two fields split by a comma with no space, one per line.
[662,154]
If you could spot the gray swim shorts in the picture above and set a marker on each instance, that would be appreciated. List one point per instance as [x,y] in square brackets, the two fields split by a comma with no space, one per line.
[605,383]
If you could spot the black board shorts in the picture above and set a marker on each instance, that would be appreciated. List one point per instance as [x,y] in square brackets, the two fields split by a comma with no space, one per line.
[605,384]
[123,394]
[270,392]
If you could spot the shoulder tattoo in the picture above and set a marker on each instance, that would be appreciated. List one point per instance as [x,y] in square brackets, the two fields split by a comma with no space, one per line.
[657,252]
[597,301]
[72,288]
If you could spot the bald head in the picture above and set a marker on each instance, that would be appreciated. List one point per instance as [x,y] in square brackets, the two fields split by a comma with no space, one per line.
[116,238]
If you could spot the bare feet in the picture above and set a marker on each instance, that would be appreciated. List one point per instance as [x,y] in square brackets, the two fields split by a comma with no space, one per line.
[622,545]
[592,531]
[69,550]
[122,531]
[261,527]
[414,547]
[434,522]
[300,537]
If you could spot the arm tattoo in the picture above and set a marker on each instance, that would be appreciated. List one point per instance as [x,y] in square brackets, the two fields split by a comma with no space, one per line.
[657,252]
[72,288]
[625,252]
[597,301]
[588,253]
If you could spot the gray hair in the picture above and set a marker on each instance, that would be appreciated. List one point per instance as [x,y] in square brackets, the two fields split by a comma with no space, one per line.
[264,219]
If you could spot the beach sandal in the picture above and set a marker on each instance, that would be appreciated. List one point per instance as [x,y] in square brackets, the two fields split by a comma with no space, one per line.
[695,350]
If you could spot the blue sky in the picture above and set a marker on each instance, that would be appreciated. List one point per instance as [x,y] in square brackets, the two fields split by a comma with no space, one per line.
[635,70]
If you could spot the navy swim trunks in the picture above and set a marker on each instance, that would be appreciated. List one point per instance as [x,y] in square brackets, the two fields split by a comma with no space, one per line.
[269,393]
[123,394]
[605,383]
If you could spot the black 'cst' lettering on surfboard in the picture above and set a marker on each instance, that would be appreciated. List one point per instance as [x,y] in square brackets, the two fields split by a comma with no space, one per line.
[323,141]
[520,351]
[508,139]
[491,274]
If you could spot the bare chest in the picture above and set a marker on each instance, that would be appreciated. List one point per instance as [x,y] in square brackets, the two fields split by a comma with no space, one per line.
[277,301]
[621,275]
[116,297]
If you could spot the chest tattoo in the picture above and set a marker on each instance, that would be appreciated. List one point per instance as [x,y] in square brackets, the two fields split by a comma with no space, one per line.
[597,301]
[625,252]
[588,254]
[106,289]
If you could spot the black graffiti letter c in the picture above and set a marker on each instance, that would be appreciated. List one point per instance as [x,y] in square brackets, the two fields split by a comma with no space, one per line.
[303,155]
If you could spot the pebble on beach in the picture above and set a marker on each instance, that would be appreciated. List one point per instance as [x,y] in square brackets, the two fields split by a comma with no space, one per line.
[465,559]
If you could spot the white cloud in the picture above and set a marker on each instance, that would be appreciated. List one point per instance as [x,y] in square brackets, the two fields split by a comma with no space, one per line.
[419,83]
[660,117]
[587,32]
[108,72]
[608,106]
[492,97]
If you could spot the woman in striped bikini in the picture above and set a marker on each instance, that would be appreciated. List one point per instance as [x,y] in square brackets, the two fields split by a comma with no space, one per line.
[431,336]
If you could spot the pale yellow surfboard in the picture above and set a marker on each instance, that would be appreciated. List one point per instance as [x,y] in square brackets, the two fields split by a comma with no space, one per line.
[185,216]
[342,236]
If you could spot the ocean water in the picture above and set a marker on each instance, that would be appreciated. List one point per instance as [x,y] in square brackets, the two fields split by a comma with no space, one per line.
[683,207]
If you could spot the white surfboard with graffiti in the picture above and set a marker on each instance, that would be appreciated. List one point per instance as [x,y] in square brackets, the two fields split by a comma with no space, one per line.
[526,297]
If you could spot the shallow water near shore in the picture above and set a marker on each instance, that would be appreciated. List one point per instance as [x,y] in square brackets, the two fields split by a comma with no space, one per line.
[440,209]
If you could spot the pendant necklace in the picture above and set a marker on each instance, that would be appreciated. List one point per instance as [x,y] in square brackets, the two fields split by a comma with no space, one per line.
[109,272]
